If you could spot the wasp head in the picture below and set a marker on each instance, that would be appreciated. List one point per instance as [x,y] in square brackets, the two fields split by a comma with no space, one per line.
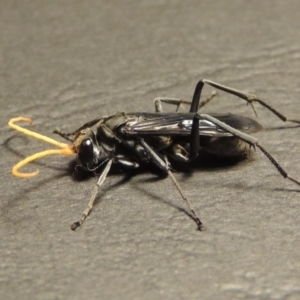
[90,153]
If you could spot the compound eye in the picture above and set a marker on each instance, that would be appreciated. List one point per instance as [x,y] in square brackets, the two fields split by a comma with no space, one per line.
[86,152]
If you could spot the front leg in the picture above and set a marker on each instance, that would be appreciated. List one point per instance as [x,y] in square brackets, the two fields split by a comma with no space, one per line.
[63,134]
[90,205]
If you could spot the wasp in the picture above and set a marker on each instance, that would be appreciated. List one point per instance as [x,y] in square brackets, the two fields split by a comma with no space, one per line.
[132,139]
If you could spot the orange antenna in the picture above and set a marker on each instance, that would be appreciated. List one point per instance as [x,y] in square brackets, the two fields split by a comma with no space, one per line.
[66,149]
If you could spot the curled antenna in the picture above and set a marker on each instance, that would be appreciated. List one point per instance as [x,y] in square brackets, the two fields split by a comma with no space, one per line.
[66,149]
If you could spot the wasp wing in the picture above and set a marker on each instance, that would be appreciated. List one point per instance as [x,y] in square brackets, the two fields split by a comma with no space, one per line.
[181,124]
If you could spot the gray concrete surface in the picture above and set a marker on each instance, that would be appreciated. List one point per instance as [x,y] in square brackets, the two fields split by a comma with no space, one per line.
[64,63]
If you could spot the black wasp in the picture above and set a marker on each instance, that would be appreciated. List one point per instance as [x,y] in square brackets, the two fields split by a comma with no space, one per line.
[129,139]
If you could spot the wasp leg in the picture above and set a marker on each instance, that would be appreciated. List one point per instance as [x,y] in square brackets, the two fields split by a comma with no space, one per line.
[250,140]
[173,101]
[66,135]
[249,98]
[89,207]
[179,153]
[196,97]
[63,134]
[178,102]
[164,166]
[125,162]
[195,138]
[195,104]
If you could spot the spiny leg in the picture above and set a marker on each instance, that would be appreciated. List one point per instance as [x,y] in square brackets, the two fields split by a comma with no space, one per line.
[208,99]
[173,101]
[277,166]
[198,90]
[89,207]
[249,98]
[158,161]
[178,102]
[251,141]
